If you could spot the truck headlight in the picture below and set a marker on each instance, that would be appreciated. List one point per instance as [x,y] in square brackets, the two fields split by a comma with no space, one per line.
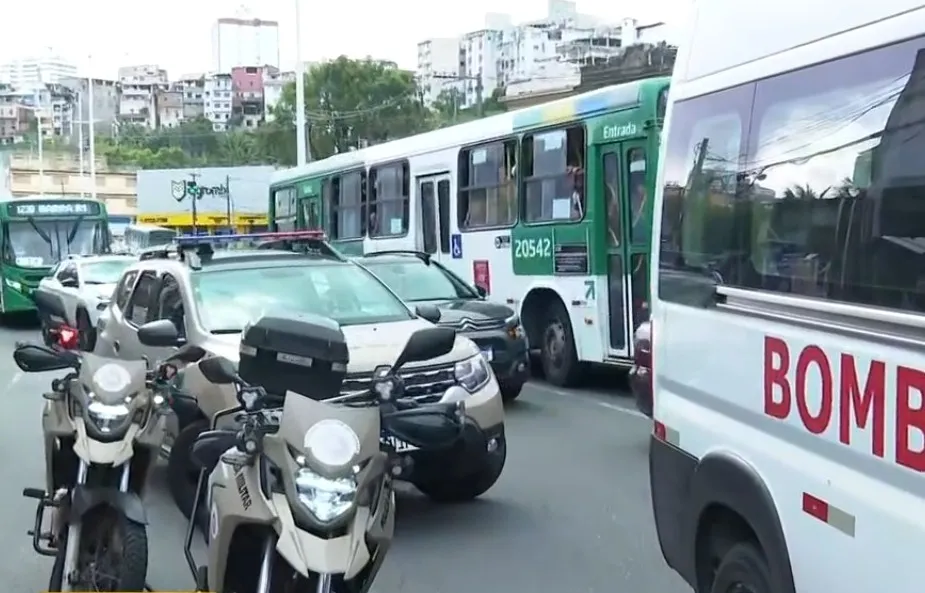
[473,373]
[325,498]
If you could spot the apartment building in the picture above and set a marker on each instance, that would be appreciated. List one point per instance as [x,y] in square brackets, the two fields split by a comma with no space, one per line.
[273,84]
[14,123]
[217,101]
[31,73]
[248,105]
[193,89]
[52,104]
[536,57]
[169,105]
[438,66]
[244,41]
[104,94]
[138,100]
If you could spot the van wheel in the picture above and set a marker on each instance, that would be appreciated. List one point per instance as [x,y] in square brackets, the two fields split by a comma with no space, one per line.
[182,473]
[86,333]
[743,569]
[557,348]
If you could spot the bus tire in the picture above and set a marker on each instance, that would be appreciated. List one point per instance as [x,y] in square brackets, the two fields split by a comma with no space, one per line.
[557,347]
[86,333]
[743,568]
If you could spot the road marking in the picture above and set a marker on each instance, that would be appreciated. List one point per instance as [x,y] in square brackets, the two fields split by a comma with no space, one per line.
[591,398]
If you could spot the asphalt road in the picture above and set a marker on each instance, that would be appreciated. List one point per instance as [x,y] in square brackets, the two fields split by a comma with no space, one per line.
[570,513]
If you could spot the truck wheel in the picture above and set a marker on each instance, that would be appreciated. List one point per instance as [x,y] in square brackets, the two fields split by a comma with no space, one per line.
[467,487]
[86,333]
[743,569]
[557,348]
[182,473]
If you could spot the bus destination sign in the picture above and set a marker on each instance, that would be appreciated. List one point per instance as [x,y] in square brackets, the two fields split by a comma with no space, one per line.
[54,208]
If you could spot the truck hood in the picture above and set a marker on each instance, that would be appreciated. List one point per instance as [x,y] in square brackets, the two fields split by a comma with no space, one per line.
[370,346]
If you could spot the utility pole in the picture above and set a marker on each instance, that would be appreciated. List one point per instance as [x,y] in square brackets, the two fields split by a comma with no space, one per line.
[80,140]
[301,148]
[231,229]
[194,196]
[479,91]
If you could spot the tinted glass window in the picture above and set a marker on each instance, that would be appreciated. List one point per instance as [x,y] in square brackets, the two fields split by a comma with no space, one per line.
[124,289]
[137,308]
[103,271]
[417,281]
[829,198]
[229,299]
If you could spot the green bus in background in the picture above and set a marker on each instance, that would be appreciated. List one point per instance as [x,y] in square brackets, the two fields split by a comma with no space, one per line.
[547,209]
[38,232]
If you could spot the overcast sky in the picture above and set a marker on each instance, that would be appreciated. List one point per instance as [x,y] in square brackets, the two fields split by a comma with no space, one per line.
[176,34]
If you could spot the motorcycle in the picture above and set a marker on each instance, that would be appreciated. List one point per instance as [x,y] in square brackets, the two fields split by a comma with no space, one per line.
[103,424]
[300,497]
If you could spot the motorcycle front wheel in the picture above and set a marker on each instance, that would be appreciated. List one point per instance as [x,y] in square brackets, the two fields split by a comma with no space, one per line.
[113,553]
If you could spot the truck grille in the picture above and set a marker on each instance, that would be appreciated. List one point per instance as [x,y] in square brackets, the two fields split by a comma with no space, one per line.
[467,324]
[425,385]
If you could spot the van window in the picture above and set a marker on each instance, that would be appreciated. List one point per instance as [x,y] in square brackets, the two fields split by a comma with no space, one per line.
[824,199]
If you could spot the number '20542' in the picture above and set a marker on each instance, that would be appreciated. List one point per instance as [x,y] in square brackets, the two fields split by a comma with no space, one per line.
[531,248]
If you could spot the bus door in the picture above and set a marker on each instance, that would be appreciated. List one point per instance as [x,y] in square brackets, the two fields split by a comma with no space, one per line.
[433,234]
[613,303]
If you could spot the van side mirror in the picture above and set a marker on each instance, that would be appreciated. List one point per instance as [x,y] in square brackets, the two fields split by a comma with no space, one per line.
[160,333]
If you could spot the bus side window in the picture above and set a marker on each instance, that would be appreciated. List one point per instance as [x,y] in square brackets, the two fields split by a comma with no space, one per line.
[554,175]
[389,200]
[636,183]
[487,188]
[347,205]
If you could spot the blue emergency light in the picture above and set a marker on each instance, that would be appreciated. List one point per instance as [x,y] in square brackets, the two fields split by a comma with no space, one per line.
[196,241]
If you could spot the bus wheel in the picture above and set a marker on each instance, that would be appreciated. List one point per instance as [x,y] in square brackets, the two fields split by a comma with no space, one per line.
[743,569]
[557,348]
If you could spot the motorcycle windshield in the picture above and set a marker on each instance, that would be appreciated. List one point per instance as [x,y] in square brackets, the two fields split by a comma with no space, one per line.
[111,381]
[300,413]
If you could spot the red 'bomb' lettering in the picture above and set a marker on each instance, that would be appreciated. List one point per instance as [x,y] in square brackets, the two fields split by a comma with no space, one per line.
[857,406]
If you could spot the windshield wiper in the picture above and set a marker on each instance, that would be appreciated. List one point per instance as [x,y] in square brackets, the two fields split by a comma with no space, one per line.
[96,282]
[226,331]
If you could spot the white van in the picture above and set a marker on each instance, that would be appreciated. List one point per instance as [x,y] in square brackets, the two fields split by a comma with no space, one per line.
[789,306]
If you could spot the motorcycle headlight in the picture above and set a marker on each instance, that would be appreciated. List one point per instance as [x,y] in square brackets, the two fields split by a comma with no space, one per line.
[325,498]
[332,443]
[107,419]
[473,373]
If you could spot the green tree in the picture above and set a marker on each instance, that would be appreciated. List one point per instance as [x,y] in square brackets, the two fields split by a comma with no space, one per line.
[351,102]
[448,110]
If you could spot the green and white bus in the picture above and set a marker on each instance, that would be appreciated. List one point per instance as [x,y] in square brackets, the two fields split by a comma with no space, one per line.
[139,237]
[38,232]
[546,208]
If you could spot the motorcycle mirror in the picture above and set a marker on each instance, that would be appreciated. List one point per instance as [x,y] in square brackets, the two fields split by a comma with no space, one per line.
[160,333]
[188,354]
[210,445]
[33,358]
[426,343]
[50,306]
[425,428]
[218,370]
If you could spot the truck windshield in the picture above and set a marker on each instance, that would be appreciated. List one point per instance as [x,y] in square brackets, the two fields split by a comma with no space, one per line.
[36,244]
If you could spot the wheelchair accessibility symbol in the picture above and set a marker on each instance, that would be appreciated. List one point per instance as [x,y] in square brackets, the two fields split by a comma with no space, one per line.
[456,246]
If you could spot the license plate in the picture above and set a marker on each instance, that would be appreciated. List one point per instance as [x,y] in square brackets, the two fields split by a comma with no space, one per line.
[488,354]
[398,445]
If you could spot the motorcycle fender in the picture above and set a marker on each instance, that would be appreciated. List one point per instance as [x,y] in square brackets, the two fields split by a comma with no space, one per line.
[308,553]
[84,499]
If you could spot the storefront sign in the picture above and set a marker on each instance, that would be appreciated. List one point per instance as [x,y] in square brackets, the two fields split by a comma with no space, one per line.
[181,190]
[54,208]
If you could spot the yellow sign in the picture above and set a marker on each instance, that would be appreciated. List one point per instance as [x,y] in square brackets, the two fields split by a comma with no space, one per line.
[203,219]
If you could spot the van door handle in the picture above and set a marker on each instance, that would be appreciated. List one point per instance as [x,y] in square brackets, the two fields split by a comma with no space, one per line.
[115,346]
